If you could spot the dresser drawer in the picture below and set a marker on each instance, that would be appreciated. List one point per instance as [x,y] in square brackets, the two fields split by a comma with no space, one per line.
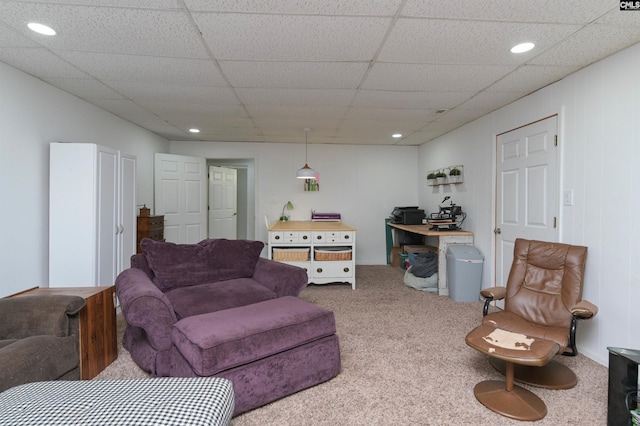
[150,223]
[333,237]
[289,237]
[333,269]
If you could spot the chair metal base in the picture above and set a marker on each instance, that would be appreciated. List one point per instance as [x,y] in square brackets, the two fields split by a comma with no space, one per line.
[517,403]
[553,375]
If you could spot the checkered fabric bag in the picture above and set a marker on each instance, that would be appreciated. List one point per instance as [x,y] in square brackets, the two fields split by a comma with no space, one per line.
[192,401]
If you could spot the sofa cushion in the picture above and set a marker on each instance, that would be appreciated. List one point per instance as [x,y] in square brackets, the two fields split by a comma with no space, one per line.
[221,340]
[212,297]
[212,260]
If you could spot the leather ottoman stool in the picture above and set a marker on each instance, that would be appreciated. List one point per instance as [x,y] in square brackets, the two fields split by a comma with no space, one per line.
[268,350]
[160,401]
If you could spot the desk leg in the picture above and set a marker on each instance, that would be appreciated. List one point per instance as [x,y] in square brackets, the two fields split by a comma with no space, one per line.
[443,243]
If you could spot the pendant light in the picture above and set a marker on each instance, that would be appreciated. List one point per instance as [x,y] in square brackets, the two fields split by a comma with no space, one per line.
[306,172]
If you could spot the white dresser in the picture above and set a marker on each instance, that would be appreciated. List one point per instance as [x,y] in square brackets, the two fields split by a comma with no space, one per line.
[327,250]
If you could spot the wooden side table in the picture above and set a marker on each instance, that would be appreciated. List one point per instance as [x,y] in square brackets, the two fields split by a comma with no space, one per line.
[98,336]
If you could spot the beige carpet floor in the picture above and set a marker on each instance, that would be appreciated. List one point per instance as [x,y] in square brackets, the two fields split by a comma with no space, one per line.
[405,362]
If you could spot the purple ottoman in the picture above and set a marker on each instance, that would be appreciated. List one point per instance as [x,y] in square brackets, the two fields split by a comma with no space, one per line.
[268,350]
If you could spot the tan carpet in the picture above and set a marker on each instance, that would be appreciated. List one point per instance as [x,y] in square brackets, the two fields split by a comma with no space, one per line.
[405,362]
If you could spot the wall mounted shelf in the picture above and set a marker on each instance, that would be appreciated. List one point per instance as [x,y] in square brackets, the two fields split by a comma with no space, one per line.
[444,176]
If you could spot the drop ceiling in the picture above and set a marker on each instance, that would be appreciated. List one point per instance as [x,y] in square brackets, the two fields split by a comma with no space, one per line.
[354,71]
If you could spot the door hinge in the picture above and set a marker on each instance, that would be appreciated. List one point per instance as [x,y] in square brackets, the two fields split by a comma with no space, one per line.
[555,140]
[555,222]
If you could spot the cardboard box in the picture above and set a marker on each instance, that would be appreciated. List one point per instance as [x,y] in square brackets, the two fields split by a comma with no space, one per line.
[395,256]
[419,249]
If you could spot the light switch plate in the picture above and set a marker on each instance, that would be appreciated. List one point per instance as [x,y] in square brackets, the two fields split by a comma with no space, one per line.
[568,197]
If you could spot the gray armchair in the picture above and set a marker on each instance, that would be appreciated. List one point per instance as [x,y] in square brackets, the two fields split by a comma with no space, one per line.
[39,339]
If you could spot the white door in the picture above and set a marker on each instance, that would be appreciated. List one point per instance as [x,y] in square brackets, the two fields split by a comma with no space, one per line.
[223,202]
[527,189]
[127,211]
[181,196]
[107,220]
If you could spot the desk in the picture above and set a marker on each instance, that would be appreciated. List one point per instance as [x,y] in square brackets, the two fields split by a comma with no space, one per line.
[444,239]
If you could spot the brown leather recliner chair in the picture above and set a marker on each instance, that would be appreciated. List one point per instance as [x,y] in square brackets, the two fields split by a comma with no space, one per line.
[543,298]
[543,302]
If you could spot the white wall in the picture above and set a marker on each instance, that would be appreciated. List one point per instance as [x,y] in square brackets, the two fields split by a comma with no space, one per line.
[33,114]
[362,183]
[599,132]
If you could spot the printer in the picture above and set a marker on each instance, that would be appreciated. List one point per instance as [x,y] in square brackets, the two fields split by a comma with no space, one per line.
[407,215]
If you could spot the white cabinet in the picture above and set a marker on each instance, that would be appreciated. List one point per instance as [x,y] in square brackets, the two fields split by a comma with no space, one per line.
[326,250]
[92,217]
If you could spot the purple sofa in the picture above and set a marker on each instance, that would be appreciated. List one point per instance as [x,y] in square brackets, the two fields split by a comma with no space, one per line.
[216,308]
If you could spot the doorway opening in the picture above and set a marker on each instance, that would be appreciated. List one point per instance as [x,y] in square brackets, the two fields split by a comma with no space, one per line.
[246,198]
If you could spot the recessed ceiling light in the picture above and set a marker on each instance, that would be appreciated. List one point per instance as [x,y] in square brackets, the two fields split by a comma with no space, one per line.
[522,47]
[194,130]
[41,29]
[396,135]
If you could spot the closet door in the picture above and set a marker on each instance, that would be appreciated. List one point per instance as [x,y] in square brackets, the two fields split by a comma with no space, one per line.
[107,216]
[127,212]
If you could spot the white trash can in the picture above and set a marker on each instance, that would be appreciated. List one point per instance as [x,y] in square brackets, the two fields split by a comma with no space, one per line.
[464,272]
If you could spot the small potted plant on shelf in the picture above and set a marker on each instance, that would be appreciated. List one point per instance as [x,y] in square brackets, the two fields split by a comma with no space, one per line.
[431,178]
[455,175]
[440,177]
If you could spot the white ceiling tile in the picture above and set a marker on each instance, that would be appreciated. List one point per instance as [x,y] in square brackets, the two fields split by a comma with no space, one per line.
[548,11]
[298,75]
[136,114]
[434,41]
[325,7]
[88,89]
[460,115]
[301,113]
[40,62]
[424,77]
[107,29]
[138,4]
[578,51]
[194,114]
[297,97]
[291,38]
[153,93]
[288,125]
[530,78]
[146,68]
[492,100]
[409,100]
[11,38]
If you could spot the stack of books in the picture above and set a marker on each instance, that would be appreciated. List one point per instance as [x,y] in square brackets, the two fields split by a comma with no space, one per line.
[325,217]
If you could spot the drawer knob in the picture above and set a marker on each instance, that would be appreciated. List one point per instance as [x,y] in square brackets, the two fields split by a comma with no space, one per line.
[346,269]
[319,237]
[319,270]
[277,237]
[346,237]
[304,237]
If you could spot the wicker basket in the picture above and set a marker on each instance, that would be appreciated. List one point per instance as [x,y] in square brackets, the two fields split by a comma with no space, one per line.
[333,254]
[291,254]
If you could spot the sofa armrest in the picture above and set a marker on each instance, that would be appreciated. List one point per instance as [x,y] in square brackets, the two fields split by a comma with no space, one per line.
[25,316]
[281,278]
[145,306]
